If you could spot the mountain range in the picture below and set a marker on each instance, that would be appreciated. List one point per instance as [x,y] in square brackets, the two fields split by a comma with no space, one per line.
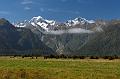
[39,36]
[46,26]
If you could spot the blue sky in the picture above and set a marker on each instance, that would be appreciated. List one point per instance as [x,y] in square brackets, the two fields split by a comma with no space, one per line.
[60,10]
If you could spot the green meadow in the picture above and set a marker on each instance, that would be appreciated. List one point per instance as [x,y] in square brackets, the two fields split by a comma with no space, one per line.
[27,68]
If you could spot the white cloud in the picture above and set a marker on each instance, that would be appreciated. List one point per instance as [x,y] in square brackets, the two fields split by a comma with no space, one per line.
[70,31]
[27,8]
[4,12]
[53,10]
[25,2]
[42,9]
[63,11]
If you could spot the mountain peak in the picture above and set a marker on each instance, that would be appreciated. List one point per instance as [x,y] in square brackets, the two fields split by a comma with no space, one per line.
[84,20]
[5,24]
[80,21]
[48,25]
[3,21]
[37,18]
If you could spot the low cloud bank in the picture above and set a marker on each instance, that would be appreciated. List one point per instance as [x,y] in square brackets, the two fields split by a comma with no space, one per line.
[69,31]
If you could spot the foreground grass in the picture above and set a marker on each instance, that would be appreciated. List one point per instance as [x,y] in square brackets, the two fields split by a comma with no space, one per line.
[18,68]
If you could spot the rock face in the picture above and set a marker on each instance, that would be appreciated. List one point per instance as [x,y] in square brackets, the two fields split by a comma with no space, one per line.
[104,43]
[104,40]
[14,40]
[75,37]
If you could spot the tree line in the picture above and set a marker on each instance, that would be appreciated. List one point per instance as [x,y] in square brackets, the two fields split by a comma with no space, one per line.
[62,56]
[81,57]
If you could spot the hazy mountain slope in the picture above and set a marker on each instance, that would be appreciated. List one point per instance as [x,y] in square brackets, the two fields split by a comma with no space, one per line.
[67,44]
[64,38]
[77,37]
[104,43]
[20,41]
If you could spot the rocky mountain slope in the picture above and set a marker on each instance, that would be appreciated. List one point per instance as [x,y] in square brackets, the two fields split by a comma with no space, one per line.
[75,37]
[104,43]
[14,40]
[67,37]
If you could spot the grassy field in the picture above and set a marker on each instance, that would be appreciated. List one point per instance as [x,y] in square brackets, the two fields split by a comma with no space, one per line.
[18,68]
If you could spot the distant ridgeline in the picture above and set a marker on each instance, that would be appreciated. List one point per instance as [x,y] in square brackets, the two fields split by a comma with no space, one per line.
[88,38]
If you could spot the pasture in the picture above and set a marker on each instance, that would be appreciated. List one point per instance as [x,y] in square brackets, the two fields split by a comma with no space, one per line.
[40,68]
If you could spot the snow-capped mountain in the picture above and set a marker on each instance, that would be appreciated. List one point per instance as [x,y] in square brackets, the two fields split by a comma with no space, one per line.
[40,22]
[21,24]
[37,22]
[79,20]
[45,25]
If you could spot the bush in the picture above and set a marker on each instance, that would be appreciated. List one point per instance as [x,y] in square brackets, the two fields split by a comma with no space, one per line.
[94,57]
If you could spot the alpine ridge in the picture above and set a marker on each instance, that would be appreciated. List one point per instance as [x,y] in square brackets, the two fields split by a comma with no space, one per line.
[50,26]
[40,36]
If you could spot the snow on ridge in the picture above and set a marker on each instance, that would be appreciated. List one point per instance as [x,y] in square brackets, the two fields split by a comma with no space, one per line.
[79,20]
[20,24]
[39,22]
[37,18]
